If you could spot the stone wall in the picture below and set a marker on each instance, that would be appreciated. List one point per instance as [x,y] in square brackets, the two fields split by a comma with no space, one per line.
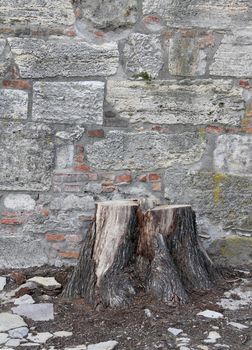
[121,99]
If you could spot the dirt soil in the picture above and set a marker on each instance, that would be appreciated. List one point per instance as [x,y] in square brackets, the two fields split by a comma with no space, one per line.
[144,323]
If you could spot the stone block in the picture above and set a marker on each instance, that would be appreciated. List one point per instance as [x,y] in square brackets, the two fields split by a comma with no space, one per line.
[222,201]
[63,56]
[144,150]
[172,102]
[233,154]
[26,156]
[217,14]
[234,55]
[143,53]
[5,57]
[41,14]
[61,102]
[109,14]
[72,202]
[13,104]
[186,57]
[64,156]
[19,202]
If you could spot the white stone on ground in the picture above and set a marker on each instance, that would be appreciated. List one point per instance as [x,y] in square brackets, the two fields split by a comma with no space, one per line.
[108,345]
[202,347]
[29,345]
[3,338]
[18,332]
[24,299]
[13,343]
[36,312]
[62,334]
[2,283]
[184,348]
[9,321]
[245,297]
[78,347]
[175,331]
[40,337]
[237,325]
[46,282]
[210,314]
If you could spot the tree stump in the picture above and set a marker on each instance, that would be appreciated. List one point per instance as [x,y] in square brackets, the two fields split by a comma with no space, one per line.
[128,250]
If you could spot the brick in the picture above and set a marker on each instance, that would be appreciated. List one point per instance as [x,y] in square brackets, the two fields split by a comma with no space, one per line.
[142,178]
[55,237]
[17,84]
[69,255]
[156,187]
[123,179]
[63,56]
[153,177]
[108,189]
[13,104]
[11,221]
[173,102]
[214,129]
[57,102]
[81,167]
[99,133]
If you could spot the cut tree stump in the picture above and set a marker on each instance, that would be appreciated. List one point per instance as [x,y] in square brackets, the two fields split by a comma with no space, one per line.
[128,250]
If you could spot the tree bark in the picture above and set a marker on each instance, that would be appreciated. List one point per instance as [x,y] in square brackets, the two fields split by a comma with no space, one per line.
[128,250]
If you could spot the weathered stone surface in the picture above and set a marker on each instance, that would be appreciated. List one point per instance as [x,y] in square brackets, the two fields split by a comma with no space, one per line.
[5,57]
[108,345]
[26,156]
[72,202]
[221,201]
[37,13]
[9,321]
[64,156]
[13,104]
[49,283]
[143,53]
[3,338]
[144,150]
[36,312]
[110,13]
[40,337]
[233,154]
[70,102]
[199,13]
[15,250]
[18,332]
[186,102]
[232,250]
[63,56]
[186,57]
[19,202]
[24,299]
[234,55]
[2,283]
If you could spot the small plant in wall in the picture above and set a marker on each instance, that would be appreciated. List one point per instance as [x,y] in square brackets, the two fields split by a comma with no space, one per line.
[143,76]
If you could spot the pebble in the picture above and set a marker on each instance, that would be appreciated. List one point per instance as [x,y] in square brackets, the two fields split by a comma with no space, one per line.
[237,325]
[9,321]
[2,283]
[3,338]
[18,332]
[108,345]
[46,282]
[62,334]
[36,312]
[202,347]
[210,314]
[39,337]
[175,331]
[24,299]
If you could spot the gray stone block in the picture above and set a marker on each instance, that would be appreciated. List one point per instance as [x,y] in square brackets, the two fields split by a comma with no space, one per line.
[13,104]
[111,14]
[5,57]
[144,150]
[39,13]
[219,14]
[26,156]
[63,56]
[234,55]
[172,102]
[143,53]
[233,154]
[61,102]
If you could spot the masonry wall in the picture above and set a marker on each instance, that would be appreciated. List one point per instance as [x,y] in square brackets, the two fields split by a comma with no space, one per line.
[121,99]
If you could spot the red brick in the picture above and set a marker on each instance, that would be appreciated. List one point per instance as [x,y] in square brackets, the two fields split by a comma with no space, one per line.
[156,186]
[17,84]
[153,177]
[214,129]
[69,255]
[59,237]
[125,178]
[98,34]
[11,221]
[244,83]
[108,189]
[96,133]
[151,19]
[81,167]
[79,158]
[142,178]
